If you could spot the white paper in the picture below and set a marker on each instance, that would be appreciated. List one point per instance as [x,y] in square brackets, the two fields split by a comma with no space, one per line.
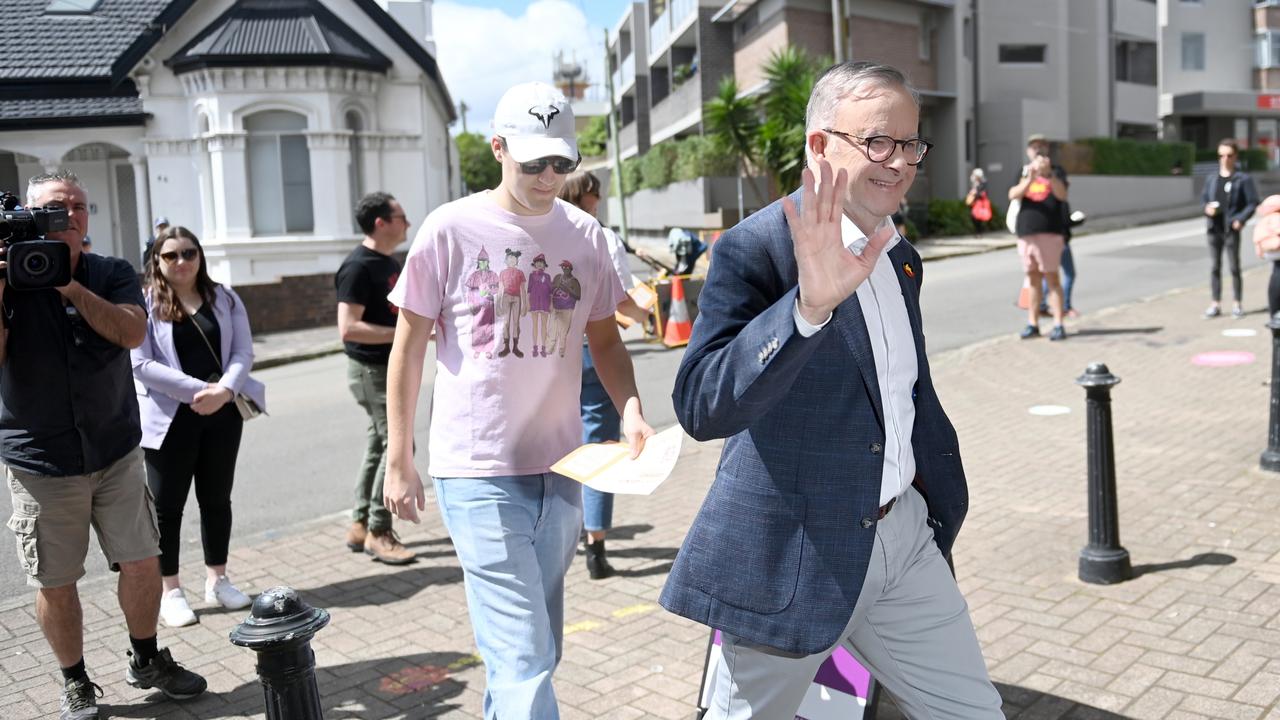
[607,467]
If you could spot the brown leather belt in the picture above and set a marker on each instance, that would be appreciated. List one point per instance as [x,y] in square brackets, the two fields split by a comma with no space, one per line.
[884,510]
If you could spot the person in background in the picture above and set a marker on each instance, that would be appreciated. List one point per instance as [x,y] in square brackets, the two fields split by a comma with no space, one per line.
[367,323]
[1042,227]
[600,420]
[1229,198]
[1266,242]
[194,362]
[976,200]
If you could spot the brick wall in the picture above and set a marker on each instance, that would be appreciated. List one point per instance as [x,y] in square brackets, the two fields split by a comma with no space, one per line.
[897,44]
[807,29]
[294,303]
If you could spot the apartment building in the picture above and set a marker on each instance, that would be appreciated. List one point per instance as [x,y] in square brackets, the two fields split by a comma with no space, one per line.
[1220,72]
[1068,70]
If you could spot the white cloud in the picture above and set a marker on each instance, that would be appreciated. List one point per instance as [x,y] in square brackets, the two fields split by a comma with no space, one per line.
[484,51]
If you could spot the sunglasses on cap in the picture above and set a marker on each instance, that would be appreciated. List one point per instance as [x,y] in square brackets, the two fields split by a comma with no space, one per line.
[187,254]
[559,165]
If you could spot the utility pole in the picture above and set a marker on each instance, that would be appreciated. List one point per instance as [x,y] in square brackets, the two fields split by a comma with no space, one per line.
[837,29]
[462,112]
[617,151]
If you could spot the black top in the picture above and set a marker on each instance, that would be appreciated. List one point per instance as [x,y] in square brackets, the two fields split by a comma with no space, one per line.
[365,278]
[1223,196]
[193,354]
[67,403]
[1042,212]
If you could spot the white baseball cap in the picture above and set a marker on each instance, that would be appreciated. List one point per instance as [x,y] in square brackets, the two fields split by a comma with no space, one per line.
[536,121]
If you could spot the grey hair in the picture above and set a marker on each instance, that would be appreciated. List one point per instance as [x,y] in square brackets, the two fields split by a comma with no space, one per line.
[844,79]
[61,175]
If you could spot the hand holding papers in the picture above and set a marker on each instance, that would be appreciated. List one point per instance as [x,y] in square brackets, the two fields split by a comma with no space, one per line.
[607,468]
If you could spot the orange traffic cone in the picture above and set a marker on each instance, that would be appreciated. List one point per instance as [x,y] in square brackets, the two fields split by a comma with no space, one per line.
[678,324]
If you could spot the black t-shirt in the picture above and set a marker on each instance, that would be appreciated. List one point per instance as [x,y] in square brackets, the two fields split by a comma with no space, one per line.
[1223,196]
[1042,212]
[365,278]
[67,403]
[194,355]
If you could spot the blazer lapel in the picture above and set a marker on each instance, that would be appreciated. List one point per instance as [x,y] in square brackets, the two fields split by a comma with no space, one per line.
[852,325]
[900,256]
[164,343]
[222,313]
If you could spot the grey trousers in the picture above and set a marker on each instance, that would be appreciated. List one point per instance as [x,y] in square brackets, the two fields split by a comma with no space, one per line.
[910,628]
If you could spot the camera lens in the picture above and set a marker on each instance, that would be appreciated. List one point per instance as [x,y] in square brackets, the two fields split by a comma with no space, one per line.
[36,264]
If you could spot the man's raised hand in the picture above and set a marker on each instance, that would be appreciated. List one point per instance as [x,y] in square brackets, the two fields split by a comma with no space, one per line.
[828,271]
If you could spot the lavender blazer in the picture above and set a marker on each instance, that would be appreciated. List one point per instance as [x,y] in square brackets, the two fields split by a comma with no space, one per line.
[158,377]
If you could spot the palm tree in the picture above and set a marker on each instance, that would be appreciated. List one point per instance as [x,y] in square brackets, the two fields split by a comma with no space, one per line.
[790,73]
[732,122]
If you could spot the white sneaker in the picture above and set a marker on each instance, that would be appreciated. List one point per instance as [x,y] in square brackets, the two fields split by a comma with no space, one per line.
[174,610]
[225,594]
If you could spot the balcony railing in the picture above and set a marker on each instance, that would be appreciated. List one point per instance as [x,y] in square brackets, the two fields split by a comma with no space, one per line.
[670,19]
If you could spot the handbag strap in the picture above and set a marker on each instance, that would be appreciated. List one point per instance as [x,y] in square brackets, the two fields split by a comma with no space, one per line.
[207,344]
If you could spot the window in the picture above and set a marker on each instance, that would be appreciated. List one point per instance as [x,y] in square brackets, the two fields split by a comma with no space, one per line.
[1266,49]
[355,175]
[279,172]
[1193,51]
[1136,62]
[72,7]
[1022,54]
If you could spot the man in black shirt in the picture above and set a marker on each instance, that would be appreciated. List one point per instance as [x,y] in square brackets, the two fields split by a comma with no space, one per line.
[69,434]
[1229,198]
[367,323]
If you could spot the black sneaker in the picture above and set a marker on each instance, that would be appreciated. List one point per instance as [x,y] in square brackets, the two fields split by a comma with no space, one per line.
[165,675]
[1030,331]
[1058,333]
[80,700]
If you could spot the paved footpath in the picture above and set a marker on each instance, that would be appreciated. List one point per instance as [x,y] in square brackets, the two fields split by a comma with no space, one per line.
[1195,635]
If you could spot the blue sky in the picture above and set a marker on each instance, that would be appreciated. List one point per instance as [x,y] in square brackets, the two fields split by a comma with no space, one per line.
[486,46]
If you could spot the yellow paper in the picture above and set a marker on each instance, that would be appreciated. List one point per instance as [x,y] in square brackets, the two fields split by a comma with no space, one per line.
[607,467]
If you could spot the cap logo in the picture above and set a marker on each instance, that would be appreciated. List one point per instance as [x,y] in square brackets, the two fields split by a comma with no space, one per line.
[544,113]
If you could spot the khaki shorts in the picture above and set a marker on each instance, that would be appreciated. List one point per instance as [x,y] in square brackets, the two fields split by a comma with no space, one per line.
[52,515]
[1041,252]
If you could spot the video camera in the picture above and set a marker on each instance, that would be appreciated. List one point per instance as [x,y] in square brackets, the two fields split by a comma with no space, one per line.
[34,263]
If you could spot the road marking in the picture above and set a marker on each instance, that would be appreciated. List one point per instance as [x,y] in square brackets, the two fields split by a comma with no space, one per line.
[1048,410]
[1161,239]
[630,610]
[1239,332]
[583,626]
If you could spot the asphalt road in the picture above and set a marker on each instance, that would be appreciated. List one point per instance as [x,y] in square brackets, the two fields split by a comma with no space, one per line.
[298,463]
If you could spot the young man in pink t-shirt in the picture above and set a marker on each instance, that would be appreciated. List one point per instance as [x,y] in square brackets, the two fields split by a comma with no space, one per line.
[499,420]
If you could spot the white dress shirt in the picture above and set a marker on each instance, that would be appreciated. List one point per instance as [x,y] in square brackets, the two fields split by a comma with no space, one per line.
[894,350]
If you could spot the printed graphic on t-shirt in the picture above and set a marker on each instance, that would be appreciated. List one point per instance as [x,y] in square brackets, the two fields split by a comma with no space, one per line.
[1038,190]
[510,296]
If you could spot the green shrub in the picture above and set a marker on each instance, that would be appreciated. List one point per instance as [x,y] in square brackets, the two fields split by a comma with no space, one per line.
[594,136]
[949,217]
[1131,157]
[1251,159]
[631,174]
[656,165]
[701,156]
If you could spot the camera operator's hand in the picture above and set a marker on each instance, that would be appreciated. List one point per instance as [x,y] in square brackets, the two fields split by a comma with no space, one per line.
[211,399]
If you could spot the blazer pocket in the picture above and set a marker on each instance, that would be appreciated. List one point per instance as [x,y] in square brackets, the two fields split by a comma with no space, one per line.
[748,544]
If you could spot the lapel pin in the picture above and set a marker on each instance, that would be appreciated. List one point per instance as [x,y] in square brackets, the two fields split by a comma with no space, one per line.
[906,268]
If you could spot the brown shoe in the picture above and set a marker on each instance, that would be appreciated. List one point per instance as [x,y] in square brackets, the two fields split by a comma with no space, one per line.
[386,547]
[356,535]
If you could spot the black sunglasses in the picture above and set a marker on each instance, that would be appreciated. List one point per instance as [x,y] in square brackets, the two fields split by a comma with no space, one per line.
[188,254]
[559,165]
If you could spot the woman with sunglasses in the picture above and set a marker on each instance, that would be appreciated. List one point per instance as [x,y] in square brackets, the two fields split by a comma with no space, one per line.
[194,362]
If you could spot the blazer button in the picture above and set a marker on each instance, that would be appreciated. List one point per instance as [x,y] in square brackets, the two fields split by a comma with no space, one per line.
[876,448]
[867,523]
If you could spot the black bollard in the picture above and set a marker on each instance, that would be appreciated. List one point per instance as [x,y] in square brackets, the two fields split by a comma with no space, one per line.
[279,629]
[1271,456]
[1103,561]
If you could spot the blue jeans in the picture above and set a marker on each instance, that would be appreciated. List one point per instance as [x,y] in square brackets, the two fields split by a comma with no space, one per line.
[1068,271]
[600,423]
[515,538]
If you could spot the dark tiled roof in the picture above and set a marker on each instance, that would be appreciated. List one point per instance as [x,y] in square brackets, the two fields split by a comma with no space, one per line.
[71,112]
[257,33]
[30,49]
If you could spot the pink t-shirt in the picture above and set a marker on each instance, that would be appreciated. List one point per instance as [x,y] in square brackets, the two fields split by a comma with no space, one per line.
[494,414]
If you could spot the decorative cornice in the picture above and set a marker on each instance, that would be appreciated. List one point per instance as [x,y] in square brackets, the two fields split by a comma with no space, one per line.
[155,147]
[278,79]
[328,139]
[222,142]
[390,141]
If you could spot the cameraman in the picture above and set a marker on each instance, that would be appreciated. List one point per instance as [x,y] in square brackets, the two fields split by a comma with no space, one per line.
[69,435]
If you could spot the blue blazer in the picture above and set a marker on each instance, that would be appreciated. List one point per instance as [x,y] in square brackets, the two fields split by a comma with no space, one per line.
[779,549]
[158,378]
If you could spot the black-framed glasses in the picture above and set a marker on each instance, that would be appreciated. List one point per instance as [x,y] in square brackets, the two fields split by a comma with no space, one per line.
[187,254]
[879,148]
[559,165]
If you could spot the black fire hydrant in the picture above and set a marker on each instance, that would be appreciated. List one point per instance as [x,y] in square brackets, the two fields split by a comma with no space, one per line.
[279,629]
[1103,561]
[1271,456]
